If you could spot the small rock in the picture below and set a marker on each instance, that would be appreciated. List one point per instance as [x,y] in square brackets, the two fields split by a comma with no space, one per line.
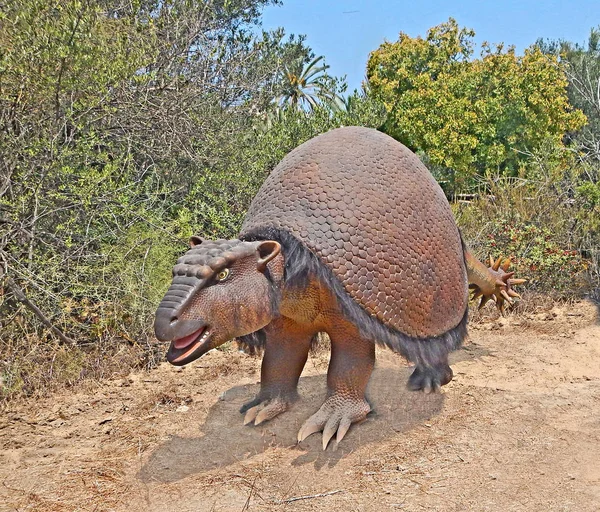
[182,408]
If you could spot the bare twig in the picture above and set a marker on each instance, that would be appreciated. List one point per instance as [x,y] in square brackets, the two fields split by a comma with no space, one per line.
[21,297]
[247,504]
[308,496]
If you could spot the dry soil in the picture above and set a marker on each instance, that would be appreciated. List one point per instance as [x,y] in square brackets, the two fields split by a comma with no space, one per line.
[518,429]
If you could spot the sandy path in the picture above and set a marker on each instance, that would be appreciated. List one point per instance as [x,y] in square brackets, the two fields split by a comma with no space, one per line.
[517,429]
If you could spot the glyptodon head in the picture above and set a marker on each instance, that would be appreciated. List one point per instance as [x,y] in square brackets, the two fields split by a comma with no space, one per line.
[221,290]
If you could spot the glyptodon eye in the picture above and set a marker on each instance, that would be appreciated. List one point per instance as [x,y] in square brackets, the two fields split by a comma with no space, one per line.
[223,274]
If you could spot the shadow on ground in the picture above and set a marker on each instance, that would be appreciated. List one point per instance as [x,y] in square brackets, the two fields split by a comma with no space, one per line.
[226,441]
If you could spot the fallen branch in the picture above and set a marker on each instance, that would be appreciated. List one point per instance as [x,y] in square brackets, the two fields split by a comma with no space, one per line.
[21,297]
[309,496]
[247,504]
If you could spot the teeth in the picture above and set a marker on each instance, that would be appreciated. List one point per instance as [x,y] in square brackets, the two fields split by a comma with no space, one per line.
[203,337]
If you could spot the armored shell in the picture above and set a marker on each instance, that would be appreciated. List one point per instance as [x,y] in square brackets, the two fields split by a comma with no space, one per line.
[371,211]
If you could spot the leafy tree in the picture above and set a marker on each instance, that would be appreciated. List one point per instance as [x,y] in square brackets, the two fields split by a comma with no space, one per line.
[110,113]
[471,116]
[581,64]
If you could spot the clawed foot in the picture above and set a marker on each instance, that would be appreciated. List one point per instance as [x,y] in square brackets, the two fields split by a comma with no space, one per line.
[260,410]
[429,379]
[335,416]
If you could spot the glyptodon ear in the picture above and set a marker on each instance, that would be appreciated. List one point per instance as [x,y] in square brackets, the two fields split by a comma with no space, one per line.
[195,240]
[267,250]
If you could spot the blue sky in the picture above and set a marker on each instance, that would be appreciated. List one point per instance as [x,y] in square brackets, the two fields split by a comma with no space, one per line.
[346,31]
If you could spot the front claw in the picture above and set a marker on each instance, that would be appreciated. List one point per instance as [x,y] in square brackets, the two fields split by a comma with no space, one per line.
[335,417]
[501,290]
[258,411]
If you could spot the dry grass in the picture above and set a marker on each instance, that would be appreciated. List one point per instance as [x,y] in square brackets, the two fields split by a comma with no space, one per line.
[31,367]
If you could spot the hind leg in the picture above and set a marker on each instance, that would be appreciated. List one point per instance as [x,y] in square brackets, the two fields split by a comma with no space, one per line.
[430,356]
[432,370]
[430,378]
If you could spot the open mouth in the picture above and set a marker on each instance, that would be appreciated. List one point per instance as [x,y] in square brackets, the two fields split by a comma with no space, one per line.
[185,350]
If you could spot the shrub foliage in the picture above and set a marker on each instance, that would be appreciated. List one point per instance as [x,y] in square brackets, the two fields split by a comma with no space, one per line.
[127,126]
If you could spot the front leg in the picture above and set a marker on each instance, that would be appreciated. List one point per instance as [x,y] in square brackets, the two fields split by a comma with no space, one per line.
[352,361]
[286,352]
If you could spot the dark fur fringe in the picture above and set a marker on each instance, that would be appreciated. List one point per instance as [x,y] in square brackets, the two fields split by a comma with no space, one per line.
[254,343]
[301,264]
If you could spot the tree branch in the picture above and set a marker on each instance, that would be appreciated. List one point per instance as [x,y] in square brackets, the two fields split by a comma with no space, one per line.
[21,297]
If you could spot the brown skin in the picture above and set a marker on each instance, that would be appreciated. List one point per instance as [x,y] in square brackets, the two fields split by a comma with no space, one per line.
[285,355]
[226,302]
[286,351]
[373,255]
[246,300]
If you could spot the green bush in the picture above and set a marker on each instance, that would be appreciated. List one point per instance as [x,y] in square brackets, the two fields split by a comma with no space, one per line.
[547,227]
[125,128]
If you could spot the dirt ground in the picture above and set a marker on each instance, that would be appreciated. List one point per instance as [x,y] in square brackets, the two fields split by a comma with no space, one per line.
[517,429]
